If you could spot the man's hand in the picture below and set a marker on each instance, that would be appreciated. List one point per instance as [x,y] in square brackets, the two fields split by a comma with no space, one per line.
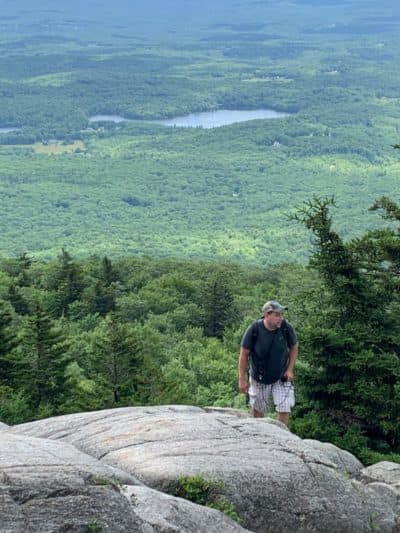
[289,375]
[244,385]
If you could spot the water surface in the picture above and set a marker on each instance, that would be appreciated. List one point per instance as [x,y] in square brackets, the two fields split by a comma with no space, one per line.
[207,119]
[222,117]
[107,118]
[8,130]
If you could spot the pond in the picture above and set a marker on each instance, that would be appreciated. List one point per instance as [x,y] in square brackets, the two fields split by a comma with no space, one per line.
[207,119]
[222,117]
[8,130]
[107,118]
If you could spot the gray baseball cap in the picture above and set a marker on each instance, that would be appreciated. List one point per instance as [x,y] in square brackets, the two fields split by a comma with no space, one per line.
[273,307]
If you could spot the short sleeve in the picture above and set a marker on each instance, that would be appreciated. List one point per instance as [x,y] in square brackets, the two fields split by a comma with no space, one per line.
[247,339]
[292,335]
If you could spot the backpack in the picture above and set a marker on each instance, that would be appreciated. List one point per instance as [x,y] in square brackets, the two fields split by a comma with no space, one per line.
[283,327]
[256,366]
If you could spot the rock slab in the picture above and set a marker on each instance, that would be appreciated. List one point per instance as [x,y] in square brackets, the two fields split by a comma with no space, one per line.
[50,486]
[275,480]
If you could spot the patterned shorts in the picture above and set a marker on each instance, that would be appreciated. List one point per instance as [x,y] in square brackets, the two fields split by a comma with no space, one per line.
[281,392]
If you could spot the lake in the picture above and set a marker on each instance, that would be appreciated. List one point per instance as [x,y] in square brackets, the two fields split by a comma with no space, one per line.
[222,117]
[207,119]
[107,118]
[8,130]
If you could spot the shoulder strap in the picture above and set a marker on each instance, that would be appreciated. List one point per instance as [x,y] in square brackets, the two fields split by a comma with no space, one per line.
[286,333]
[284,328]
[254,333]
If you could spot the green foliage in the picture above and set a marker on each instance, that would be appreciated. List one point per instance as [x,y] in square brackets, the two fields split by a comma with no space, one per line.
[84,394]
[93,331]
[66,283]
[136,187]
[153,349]
[14,406]
[42,361]
[150,350]
[203,491]
[94,526]
[196,488]
[218,308]
[8,341]
[114,359]
[105,482]
[353,366]
[221,504]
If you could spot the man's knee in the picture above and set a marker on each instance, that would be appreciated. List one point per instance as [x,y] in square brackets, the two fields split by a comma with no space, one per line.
[257,414]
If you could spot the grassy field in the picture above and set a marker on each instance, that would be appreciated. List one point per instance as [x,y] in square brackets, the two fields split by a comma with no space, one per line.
[57,147]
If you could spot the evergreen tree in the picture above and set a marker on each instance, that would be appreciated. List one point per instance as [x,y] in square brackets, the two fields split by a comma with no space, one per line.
[99,298]
[18,269]
[43,361]
[67,283]
[351,381]
[383,249]
[18,302]
[218,306]
[8,342]
[24,263]
[115,358]
[108,274]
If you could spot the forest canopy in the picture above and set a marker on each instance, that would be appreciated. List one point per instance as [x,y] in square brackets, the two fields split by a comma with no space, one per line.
[88,334]
[135,187]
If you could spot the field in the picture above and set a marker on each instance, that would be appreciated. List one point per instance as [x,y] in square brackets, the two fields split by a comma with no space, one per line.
[138,188]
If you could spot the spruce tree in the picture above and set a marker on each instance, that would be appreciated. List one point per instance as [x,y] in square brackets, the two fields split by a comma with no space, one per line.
[67,283]
[108,274]
[115,359]
[24,263]
[218,306]
[351,345]
[43,361]
[8,343]
[16,299]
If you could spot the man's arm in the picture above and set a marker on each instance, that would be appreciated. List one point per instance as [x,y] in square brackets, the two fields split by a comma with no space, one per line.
[243,364]
[293,353]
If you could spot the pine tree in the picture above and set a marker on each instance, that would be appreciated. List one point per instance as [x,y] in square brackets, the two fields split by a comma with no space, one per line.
[108,274]
[8,342]
[115,358]
[43,361]
[67,283]
[99,298]
[18,302]
[218,305]
[24,263]
[352,351]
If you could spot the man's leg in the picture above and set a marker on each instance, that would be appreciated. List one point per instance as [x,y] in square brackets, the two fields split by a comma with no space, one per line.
[258,398]
[283,394]
[256,413]
[283,417]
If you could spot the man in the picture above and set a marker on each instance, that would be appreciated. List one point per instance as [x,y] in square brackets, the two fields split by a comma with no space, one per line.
[272,348]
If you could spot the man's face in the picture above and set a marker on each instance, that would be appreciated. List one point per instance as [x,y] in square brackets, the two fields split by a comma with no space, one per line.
[274,319]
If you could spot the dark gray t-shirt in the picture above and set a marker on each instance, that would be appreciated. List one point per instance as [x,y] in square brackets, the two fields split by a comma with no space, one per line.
[269,355]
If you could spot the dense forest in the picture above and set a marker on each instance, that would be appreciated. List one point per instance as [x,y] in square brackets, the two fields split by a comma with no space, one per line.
[136,187]
[134,255]
[88,334]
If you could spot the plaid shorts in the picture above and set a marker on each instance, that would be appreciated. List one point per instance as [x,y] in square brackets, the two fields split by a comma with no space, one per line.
[281,392]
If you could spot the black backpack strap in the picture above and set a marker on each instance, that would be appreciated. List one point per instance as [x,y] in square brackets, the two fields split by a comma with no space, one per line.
[286,333]
[254,333]
[284,329]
